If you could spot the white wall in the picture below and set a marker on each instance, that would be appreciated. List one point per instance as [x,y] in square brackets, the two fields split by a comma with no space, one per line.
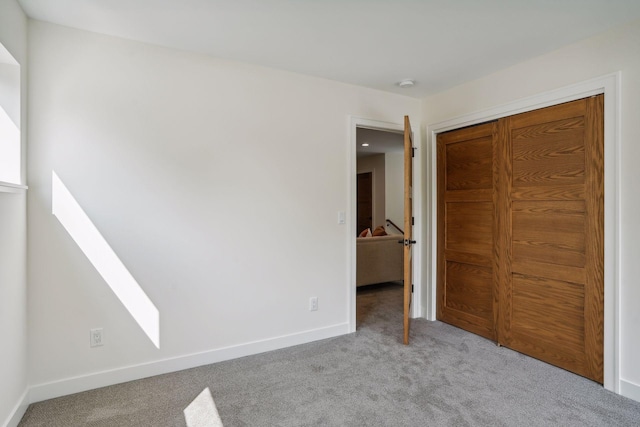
[375,165]
[614,51]
[195,171]
[394,190]
[13,288]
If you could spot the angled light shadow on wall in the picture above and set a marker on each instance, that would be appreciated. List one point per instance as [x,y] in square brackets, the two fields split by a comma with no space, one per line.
[202,412]
[104,259]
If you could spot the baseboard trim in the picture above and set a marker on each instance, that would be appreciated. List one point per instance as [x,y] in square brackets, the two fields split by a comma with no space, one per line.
[18,411]
[78,384]
[630,390]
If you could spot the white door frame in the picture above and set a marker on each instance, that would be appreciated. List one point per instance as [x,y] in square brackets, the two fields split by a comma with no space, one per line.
[359,122]
[610,86]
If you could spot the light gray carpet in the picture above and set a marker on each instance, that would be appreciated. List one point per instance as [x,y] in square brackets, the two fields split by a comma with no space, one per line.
[446,377]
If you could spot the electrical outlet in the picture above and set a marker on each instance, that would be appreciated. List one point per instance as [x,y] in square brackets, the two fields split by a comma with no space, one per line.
[313,303]
[95,337]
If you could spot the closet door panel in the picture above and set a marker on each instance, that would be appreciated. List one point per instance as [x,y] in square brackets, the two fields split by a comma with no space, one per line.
[549,232]
[469,227]
[551,291]
[520,233]
[466,174]
[470,164]
[469,289]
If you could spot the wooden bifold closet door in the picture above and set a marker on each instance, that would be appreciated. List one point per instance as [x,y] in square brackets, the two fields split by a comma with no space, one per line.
[521,230]
[467,169]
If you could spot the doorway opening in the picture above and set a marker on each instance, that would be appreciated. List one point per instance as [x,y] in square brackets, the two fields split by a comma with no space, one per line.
[380,169]
[377,155]
[379,195]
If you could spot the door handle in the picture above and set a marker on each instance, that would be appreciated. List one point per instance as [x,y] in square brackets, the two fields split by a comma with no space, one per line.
[407,242]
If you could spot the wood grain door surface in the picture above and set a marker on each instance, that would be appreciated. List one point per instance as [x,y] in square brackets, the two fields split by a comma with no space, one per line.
[408,227]
[521,236]
[364,195]
[466,283]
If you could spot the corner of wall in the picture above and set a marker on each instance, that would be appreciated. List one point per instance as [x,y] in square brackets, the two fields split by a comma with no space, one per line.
[18,411]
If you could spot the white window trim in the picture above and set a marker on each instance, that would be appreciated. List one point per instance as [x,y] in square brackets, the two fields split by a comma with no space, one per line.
[7,187]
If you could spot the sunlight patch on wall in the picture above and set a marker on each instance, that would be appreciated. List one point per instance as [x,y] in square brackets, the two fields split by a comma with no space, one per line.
[202,412]
[104,259]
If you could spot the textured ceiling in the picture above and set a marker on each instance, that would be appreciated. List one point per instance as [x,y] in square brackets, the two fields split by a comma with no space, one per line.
[373,43]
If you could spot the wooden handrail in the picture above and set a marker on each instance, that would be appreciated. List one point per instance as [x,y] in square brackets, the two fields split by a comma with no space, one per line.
[398,228]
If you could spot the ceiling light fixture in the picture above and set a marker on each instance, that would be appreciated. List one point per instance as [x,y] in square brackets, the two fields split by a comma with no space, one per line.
[365,145]
[406,83]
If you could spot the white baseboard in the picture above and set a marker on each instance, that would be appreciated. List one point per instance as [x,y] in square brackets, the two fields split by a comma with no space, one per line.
[18,411]
[630,390]
[72,385]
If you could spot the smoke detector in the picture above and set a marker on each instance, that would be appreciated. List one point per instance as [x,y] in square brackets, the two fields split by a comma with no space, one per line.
[406,83]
